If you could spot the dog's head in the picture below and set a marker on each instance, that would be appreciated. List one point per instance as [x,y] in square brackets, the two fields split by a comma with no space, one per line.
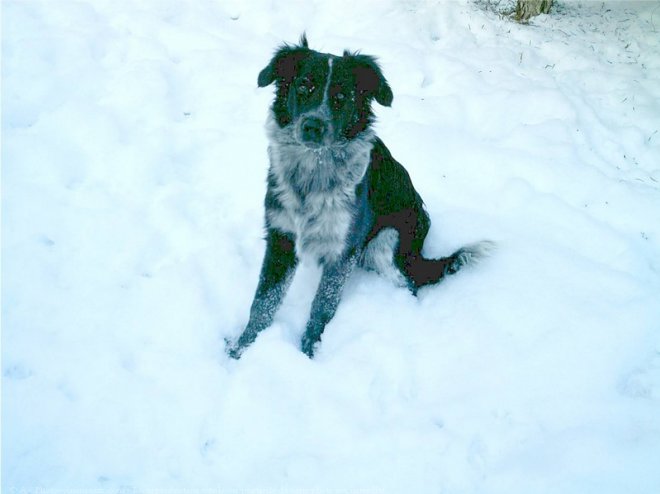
[325,98]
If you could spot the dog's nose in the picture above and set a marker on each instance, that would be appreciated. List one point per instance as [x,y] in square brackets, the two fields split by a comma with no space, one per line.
[313,130]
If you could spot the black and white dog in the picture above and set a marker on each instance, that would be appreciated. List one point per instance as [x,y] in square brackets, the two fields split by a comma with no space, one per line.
[335,193]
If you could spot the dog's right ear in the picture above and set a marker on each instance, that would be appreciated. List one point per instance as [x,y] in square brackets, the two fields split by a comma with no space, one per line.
[284,65]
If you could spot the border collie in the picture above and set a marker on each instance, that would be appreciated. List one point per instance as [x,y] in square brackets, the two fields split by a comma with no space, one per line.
[335,194]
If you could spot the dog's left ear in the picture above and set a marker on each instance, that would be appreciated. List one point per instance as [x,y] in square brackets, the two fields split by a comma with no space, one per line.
[284,64]
[371,79]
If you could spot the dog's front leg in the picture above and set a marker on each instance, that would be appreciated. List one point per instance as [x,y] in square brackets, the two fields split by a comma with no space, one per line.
[276,274]
[327,299]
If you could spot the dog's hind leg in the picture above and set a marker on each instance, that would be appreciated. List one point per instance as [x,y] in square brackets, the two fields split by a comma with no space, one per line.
[413,226]
[276,274]
[326,300]
[421,271]
[378,256]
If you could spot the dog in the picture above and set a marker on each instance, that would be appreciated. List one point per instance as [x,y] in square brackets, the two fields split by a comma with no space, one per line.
[335,194]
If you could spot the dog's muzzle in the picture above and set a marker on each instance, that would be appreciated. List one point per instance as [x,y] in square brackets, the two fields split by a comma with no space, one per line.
[313,131]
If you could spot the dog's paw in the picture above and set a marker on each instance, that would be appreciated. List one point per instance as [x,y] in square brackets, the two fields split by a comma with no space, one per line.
[307,345]
[233,349]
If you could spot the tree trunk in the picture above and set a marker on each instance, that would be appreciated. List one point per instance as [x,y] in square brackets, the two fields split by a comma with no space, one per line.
[529,8]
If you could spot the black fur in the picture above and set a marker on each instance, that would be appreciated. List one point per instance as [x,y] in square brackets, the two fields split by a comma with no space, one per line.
[335,193]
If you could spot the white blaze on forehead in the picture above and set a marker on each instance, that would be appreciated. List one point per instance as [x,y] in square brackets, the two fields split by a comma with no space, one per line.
[327,84]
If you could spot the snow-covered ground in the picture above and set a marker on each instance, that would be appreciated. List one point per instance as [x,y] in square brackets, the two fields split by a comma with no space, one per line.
[133,174]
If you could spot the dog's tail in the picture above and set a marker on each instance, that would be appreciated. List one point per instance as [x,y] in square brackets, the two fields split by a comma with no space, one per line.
[421,271]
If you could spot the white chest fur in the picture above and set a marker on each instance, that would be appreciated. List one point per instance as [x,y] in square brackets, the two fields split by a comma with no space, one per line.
[316,191]
[320,222]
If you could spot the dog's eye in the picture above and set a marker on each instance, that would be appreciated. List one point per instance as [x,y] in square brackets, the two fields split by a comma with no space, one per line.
[338,100]
[305,88]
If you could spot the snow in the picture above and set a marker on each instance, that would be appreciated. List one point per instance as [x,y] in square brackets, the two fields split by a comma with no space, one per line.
[133,174]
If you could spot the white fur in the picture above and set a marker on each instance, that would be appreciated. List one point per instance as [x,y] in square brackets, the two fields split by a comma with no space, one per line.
[379,256]
[473,253]
[316,188]
[327,84]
